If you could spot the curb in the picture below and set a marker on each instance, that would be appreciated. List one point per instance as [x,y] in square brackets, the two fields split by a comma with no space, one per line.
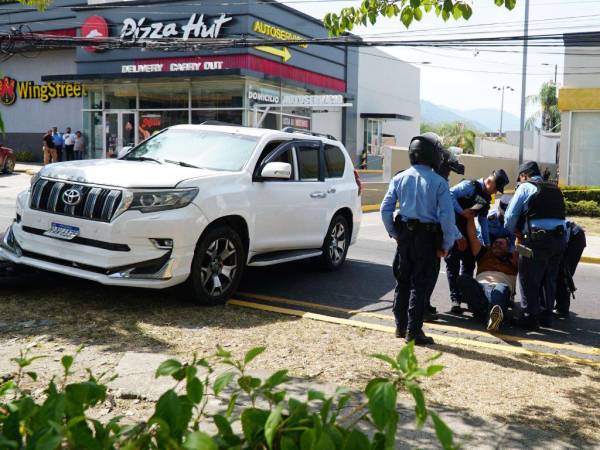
[370,208]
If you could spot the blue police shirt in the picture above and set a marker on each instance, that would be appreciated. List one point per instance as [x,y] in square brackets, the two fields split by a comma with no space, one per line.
[496,227]
[423,195]
[465,189]
[519,205]
[58,139]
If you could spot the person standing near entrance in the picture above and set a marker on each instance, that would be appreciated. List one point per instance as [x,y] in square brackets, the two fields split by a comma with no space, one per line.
[58,143]
[48,148]
[536,214]
[424,230]
[471,198]
[69,139]
[79,147]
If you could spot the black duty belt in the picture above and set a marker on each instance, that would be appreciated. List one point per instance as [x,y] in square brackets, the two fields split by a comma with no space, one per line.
[539,233]
[415,225]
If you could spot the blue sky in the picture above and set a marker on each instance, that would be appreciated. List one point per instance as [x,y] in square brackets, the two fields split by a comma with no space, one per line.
[463,79]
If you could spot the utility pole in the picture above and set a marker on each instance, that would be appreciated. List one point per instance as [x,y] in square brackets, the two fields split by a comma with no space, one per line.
[502,89]
[524,83]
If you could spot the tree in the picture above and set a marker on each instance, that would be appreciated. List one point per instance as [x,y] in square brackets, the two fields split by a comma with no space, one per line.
[548,111]
[38,4]
[453,134]
[408,10]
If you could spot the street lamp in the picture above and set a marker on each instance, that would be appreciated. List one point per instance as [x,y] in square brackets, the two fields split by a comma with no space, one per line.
[502,89]
[555,70]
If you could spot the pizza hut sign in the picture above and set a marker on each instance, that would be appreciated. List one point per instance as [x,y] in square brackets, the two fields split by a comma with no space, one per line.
[198,26]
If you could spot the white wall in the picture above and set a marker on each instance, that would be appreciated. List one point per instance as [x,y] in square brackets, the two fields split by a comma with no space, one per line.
[329,122]
[582,67]
[543,150]
[391,86]
[33,115]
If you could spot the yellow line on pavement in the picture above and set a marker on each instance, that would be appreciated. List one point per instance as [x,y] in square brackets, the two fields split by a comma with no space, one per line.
[388,329]
[590,259]
[370,170]
[434,326]
[370,208]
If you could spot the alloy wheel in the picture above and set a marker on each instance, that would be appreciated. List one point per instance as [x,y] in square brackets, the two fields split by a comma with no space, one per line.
[219,266]
[337,244]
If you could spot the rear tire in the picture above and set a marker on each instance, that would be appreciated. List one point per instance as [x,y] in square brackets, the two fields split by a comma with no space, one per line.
[336,243]
[9,166]
[217,266]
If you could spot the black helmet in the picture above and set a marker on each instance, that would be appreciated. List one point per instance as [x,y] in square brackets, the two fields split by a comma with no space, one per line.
[426,149]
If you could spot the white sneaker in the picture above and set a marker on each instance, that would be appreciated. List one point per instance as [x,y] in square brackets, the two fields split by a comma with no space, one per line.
[495,318]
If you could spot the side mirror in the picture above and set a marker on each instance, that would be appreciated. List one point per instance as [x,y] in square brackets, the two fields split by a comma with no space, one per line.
[123,152]
[279,170]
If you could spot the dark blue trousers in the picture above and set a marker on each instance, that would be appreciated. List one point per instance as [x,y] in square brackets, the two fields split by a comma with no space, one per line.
[415,272]
[570,261]
[537,276]
[481,297]
[458,264]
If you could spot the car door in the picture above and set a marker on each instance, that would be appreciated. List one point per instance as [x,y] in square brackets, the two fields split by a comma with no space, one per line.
[285,212]
[339,190]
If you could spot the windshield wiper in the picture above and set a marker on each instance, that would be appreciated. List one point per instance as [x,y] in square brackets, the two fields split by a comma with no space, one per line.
[142,158]
[182,164]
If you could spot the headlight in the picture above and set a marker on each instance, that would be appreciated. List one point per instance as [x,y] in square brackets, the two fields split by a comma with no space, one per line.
[151,201]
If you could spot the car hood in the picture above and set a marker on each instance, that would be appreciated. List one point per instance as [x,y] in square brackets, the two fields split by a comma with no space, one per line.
[128,174]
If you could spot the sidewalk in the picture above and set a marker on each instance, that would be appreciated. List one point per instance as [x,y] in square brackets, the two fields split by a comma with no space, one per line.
[29,168]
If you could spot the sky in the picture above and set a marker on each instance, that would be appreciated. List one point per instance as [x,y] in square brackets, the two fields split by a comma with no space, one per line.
[464,79]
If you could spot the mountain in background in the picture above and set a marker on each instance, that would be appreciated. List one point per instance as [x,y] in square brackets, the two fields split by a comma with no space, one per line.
[482,120]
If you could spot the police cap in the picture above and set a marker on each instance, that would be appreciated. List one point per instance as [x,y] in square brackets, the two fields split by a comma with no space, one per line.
[530,168]
[501,179]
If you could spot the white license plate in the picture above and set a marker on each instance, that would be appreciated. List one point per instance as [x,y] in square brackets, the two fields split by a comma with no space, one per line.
[60,231]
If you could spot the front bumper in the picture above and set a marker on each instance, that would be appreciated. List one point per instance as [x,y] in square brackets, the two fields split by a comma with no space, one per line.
[119,253]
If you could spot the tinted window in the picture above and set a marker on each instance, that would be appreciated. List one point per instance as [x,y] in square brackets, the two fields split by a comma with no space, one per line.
[309,163]
[334,161]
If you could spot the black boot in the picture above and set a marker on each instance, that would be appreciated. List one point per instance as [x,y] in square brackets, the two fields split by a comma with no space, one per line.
[400,332]
[456,309]
[529,323]
[419,338]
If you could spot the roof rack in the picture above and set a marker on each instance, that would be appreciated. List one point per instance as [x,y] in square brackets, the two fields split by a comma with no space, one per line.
[219,122]
[311,133]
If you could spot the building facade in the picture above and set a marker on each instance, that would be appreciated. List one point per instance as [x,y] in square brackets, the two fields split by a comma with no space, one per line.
[579,103]
[120,96]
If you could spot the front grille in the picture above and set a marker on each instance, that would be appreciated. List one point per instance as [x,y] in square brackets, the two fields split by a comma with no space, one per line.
[96,203]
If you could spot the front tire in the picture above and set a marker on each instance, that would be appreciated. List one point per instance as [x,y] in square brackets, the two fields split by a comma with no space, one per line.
[336,243]
[218,266]
[9,166]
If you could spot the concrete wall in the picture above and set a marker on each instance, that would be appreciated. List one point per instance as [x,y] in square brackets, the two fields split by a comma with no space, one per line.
[577,58]
[563,159]
[543,150]
[388,85]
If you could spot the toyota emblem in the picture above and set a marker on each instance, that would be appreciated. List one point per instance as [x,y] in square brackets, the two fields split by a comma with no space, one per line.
[72,197]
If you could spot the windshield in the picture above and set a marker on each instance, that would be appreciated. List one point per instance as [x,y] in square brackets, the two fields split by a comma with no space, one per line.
[197,148]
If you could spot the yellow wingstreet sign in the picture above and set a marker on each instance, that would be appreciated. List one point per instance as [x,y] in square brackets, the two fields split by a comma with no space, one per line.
[282,52]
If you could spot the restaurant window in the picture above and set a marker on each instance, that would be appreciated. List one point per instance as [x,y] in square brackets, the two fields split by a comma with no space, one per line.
[92,98]
[120,96]
[164,96]
[225,93]
[151,122]
[93,135]
[223,115]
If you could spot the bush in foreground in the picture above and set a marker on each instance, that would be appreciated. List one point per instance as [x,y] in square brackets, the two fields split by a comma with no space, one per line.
[272,420]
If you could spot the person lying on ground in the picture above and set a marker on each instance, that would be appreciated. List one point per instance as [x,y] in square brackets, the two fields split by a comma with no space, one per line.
[489,294]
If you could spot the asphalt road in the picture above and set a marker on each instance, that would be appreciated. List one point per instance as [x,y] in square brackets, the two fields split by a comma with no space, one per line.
[366,283]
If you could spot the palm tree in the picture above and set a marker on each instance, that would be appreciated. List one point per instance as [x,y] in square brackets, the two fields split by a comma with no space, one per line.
[453,134]
[548,111]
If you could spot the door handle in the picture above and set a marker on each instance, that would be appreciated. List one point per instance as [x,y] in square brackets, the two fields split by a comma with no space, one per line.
[331,191]
[318,195]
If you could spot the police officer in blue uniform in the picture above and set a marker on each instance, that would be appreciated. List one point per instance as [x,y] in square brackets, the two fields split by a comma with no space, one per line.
[536,214]
[496,222]
[470,198]
[424,230]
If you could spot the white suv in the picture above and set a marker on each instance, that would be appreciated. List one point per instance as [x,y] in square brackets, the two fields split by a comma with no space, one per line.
[194,203]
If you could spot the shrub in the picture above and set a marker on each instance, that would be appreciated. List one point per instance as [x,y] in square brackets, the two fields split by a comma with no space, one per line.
[588,208]
[25,156]
[61,420]
[580,195]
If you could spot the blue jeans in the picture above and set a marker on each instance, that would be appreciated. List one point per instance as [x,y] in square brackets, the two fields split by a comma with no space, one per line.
[481,297]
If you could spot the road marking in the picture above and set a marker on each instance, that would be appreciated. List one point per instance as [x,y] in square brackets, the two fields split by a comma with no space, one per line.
[370,208]
[370,170]
[434,326]
[590,259]
[388,329]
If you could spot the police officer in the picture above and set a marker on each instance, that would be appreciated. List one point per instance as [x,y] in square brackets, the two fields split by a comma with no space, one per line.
[424,230]
[496,222]
[470,198]
[576,243]
[536,214]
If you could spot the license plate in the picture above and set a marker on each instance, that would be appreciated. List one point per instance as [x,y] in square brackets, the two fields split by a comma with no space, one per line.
[60,231]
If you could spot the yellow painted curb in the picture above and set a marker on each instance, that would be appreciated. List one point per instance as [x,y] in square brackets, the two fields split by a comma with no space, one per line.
[433,326]
[590,259]
[388,329]
[370,208]
[370,170]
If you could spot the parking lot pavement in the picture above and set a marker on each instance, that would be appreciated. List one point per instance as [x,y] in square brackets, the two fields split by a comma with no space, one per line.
[10,186]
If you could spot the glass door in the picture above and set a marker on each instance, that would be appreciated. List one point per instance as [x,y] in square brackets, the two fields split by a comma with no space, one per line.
[119,131]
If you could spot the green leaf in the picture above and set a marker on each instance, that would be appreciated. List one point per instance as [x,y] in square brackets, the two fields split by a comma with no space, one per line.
[279,377]
[434,357]
[433,369]
[222,381]
[32,375]
[418,12]
[195,390]
[272,425]
[253,423]
[174,411]
[467,11]
[407,16]
[386,359]
[168,368]
[222,353]
[420,409]
[382,401]
[287,443]
[315,395]
[7,387]
[510,4]
[198,440]
[416,3]
[67,362]
[499,2]
[223,425]
[253,353]
[356,440]
[443,432]
[427,5]
[456,12]
[231,405]
[248,383]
